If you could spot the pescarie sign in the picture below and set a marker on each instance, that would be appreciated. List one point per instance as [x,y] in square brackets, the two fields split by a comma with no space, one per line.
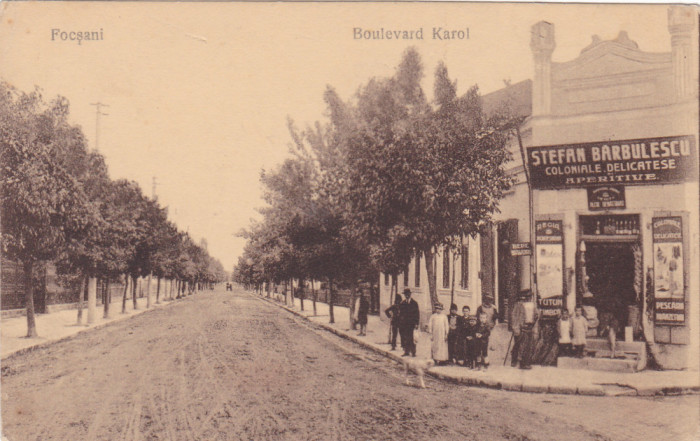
[669,286]
[670,159]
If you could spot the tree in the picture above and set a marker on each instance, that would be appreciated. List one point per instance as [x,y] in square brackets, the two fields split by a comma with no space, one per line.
[43,204]
[415,175]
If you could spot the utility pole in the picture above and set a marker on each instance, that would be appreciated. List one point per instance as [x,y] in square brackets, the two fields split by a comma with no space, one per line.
[98,112]
[153,189]
[150,275]
[92,282]
[531,213]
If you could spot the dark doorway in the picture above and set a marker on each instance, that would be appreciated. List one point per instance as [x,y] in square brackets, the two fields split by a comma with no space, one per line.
[508,268]
[611,268]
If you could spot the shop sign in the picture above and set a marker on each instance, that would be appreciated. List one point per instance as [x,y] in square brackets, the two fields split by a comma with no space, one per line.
[669,287]
[549,256]
[551,306]
[646,161]
[608,197]
[520,249]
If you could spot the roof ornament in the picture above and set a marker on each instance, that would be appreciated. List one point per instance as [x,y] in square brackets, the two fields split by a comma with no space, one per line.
[622,39]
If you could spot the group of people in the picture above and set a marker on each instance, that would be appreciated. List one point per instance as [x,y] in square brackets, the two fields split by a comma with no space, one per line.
[458,339]
[572,333]
[405,318]
[462,339]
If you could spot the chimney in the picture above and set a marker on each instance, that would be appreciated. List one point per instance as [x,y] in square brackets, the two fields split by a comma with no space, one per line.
[542,45]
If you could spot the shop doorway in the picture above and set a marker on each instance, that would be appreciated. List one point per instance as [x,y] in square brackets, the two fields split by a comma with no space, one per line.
[611,268]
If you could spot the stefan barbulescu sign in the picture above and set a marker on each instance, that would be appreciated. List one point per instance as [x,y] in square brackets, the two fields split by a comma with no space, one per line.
[647,161]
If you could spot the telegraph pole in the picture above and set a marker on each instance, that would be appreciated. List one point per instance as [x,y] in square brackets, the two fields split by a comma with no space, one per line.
[92,282]
[98,112]
[154,196]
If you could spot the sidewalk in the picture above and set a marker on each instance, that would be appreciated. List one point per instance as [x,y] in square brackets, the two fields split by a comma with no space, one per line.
[62,324]
[540,379]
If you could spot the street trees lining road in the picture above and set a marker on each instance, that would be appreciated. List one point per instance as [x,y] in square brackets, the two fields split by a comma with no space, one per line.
[389,176]
[59,204]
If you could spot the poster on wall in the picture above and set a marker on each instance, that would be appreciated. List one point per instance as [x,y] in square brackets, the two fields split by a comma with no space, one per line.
[549,251]
[669,288]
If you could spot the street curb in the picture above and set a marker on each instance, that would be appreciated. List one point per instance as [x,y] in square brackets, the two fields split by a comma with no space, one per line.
[48,343]
[597,390]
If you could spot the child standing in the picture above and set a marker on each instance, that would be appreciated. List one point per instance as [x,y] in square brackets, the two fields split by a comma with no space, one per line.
[579,329]
[482,332]
[564,328]
[439,327]
[470,346]
[452,334]
[461,339]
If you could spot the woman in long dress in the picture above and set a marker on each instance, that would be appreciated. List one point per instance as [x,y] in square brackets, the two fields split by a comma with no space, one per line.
[439,328]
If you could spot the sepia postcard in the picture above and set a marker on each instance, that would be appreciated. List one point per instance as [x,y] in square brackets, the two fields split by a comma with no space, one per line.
[349,221]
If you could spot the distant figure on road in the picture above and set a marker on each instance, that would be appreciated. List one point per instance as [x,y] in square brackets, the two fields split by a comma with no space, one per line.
[393,313]
[229,287]
[362,311]
[439,328]
[409,318]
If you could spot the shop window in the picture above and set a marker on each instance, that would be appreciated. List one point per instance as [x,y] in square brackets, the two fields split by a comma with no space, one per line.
[446,268]
[464,280]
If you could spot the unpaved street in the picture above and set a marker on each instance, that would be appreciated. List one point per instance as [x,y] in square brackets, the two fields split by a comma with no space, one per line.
[228,366]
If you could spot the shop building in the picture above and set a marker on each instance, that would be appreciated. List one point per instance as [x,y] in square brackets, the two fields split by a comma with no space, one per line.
[613,165]
[611,142]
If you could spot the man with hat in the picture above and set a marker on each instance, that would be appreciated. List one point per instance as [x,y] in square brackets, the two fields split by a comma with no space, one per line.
[409,317]
[523,321]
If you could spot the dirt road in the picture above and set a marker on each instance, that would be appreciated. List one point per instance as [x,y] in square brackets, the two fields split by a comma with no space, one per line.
[228,366]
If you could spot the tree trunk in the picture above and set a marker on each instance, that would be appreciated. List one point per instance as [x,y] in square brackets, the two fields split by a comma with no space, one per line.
[148,291]
[126,290]
[314,294]
[454,273]
[158,291]
[291,291]
[81,297]
[331,298]
[432,283]
[29,295]
[133,296]
[106,299]
[301,293]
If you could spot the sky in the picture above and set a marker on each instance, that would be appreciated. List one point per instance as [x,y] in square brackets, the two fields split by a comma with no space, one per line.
[199,93]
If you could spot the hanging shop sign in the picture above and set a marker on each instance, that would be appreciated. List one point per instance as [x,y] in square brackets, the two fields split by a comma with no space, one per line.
[669,288]
[549,255]
[520,249]
[647,161]
[608,197]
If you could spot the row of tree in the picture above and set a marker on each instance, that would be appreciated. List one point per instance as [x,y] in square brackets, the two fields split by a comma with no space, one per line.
[388,176]
[60,205]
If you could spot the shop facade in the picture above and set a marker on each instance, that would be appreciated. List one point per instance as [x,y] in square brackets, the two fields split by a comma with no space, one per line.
[613,163]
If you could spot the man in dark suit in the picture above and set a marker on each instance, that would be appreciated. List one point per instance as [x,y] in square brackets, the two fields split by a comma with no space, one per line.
[409,318]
